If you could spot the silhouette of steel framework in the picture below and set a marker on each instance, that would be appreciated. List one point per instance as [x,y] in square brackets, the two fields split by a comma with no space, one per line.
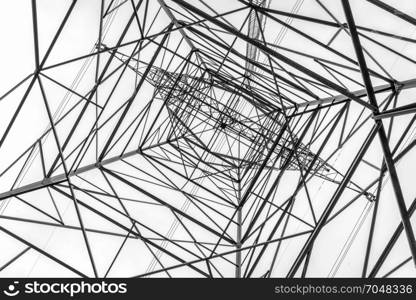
[212,139]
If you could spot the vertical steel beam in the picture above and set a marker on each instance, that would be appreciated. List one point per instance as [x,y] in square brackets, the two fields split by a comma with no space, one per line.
[381,132]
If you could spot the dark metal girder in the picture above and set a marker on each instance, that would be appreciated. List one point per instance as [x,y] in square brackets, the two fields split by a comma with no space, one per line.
[331,205]
[389,246]
[398,111]
[275,54]
[388,158]
[393,11]
[404,85]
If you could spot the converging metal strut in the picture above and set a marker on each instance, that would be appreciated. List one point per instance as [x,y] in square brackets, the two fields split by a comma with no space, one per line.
[208,139]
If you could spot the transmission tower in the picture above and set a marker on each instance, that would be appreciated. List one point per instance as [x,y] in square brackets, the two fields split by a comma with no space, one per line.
[208,138]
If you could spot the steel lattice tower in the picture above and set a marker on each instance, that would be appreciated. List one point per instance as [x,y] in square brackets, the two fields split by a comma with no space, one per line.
[208,138]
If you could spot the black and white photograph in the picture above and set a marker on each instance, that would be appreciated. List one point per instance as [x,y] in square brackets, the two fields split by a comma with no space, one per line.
[220,148]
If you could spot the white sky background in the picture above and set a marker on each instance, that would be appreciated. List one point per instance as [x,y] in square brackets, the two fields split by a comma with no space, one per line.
[79,37]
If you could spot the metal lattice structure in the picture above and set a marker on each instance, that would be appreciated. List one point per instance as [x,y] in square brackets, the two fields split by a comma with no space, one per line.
[208,138]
